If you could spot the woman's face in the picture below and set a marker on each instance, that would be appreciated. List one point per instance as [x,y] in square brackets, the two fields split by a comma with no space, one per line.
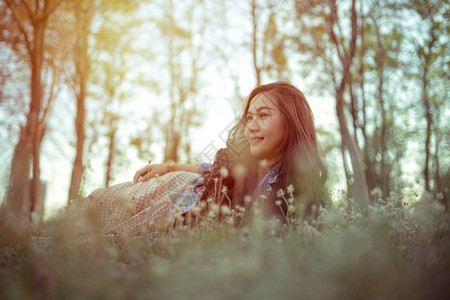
[265,128]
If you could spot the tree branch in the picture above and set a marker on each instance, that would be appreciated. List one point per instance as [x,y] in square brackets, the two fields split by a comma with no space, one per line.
[332,22]
[19,25]
[28,10]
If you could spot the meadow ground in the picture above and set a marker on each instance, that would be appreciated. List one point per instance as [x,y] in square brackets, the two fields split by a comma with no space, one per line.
[382,253]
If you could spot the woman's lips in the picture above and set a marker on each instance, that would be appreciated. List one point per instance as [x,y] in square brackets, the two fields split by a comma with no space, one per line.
[256,140]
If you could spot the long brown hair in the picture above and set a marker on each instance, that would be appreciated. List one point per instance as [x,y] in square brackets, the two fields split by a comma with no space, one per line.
[301,164]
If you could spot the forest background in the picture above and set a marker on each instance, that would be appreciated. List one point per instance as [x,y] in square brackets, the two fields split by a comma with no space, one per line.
[90,90]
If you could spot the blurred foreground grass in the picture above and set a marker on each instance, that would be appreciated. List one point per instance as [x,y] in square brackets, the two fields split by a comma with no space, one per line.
[382,253]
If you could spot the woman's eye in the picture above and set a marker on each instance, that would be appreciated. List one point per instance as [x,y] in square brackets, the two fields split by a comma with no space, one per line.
[263,115]
[249,118]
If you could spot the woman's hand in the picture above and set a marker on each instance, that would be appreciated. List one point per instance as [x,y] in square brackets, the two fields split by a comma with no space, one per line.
[150,171]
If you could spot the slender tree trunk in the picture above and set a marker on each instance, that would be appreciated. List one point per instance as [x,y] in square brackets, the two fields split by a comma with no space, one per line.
[383,145]
[426,169]
[368,170]
[359,188]
[25,193]
[426,58]
[109,161]
[82,66]
[428,118]
[255,43]
[19,195]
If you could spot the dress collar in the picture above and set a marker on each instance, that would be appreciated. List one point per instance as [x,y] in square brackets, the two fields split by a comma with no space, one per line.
[265,185]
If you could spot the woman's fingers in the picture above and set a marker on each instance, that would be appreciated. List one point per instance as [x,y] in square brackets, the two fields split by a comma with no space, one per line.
[140,174]
[150,171]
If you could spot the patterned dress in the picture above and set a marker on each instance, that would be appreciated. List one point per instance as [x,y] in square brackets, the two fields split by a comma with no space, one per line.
[137,207]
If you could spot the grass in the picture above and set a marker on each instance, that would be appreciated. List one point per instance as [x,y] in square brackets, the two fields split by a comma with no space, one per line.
[382,253]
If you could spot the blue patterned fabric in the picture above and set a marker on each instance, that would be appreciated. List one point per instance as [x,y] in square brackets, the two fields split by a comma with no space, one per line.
[264,187]
[191,195]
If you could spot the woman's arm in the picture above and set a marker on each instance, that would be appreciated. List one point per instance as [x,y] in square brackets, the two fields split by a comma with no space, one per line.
[150,171]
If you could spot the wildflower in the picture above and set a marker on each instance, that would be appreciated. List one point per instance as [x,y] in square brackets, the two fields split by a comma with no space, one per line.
[263,197]
[290,189]
[224,190]
[230,221]
[247,199]
[223,172]
[278,203]
[280,193]
[225,210]
[239,171]
[263,163]
[215,208]
[216,180]
[211,214]
[291,200]
[291,208]
[196,209]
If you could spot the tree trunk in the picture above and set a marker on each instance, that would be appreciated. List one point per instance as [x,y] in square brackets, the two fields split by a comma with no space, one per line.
[428,118]
[82,66]
[359,188]
[19,196]
[255,43]
[23,193]
[111,149]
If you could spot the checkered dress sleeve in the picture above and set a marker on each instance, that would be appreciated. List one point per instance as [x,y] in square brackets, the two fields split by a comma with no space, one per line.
[137,208]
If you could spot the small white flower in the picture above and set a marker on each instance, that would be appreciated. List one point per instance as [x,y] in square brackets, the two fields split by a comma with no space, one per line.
[196,209]
[263,163]
[223,172]
[215,208]
[291,208]
[224,190]
[290,189]
[280,193]
[225,210]
[239,171]
[278,203]
[247,199]
[216,180]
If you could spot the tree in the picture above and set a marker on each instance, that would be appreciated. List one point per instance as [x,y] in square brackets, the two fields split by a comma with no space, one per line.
[431,52]
[322,37]
[375,108]
[267,45]
[29,22]
[83,13]
[181,32]
[89,45]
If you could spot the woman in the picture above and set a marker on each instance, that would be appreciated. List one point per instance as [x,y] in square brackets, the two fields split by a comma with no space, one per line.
[272,146]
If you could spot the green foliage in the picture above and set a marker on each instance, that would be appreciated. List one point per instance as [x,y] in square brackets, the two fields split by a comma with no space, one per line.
[384,252]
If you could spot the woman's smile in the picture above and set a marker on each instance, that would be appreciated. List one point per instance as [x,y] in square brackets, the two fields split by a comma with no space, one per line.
[256,140]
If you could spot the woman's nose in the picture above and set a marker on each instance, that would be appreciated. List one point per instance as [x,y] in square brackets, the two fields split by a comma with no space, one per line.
[253,125]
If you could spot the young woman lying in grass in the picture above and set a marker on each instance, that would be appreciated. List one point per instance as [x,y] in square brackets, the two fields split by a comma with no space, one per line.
[271,149]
